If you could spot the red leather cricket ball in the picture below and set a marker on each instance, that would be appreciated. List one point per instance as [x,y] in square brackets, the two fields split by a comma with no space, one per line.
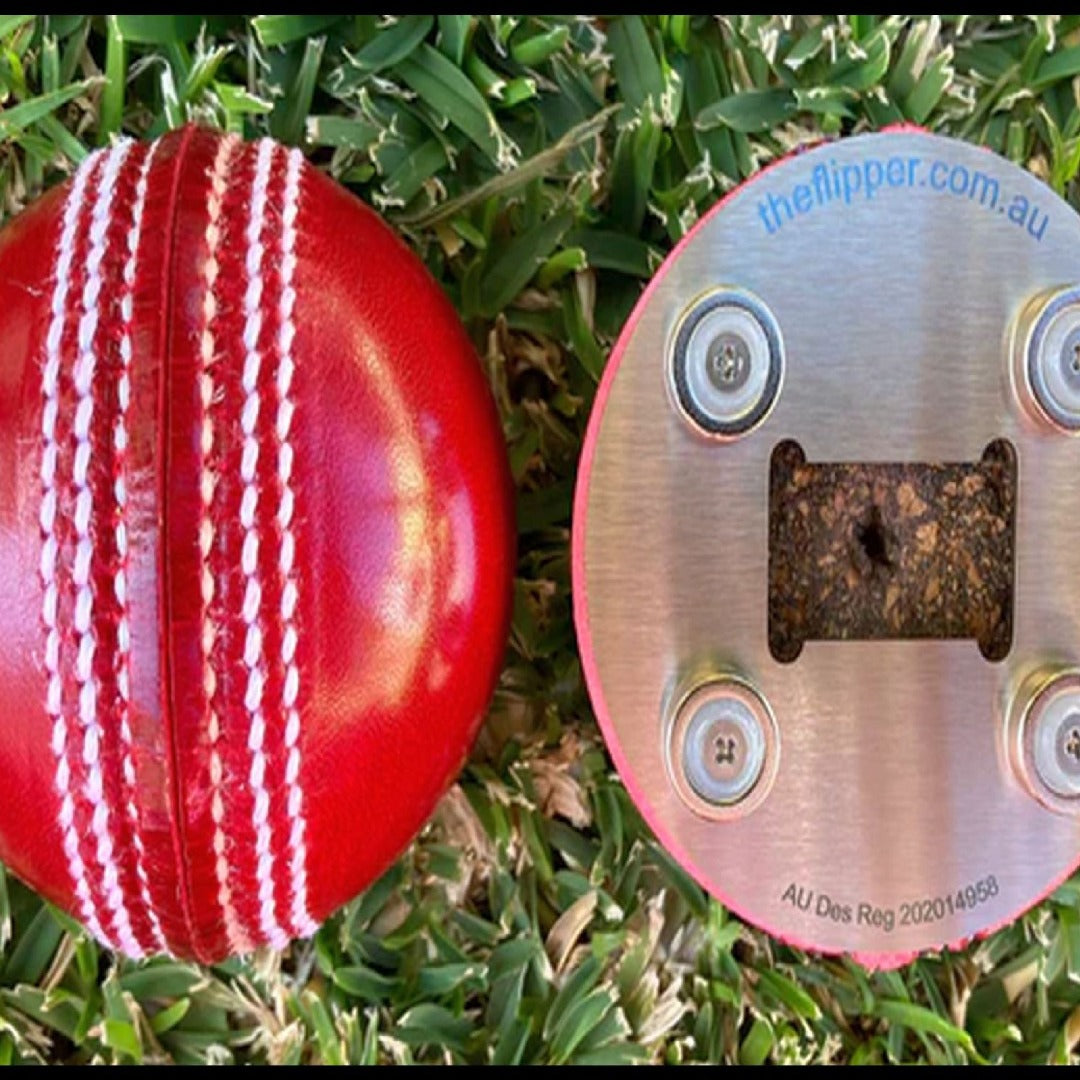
[255,545]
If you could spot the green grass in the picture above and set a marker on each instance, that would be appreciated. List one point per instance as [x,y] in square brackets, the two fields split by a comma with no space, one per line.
[541,166]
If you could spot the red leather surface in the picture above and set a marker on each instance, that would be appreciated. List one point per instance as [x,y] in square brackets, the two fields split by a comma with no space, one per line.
[403,541]
[29,838]
[409,620]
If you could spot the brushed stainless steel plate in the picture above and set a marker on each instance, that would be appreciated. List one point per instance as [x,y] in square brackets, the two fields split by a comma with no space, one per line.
[898,268]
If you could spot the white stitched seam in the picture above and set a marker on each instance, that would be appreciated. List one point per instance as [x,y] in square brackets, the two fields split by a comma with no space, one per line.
[301,916]
[252,605]
[238,938]
[123,629]
[85,373]
[50,543]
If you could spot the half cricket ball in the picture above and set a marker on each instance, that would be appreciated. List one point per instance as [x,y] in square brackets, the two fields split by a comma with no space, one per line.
[255,545]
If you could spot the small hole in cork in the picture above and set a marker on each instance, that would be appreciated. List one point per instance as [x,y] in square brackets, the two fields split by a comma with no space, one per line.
[874,539]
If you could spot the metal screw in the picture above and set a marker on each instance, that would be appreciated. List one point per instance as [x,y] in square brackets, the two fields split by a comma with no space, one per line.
[1057,745]
[1070,359]
[1052,358]
[727,362]
[1072,742]
[723,748]
[726,748]
[1050,741]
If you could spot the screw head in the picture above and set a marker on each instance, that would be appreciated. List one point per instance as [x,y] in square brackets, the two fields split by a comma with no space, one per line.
[1056,738]
[1049,741]
[1052,359]
[727,362]
[722,749]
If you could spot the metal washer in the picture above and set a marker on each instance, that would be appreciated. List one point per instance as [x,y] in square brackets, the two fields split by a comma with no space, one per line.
[722,783]
[715,411]
[1053,359]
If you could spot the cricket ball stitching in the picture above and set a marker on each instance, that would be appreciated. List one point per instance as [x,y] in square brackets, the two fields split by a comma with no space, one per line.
[123,628]
[227,151]
[90,606]
[233,676]
[253,609]
[93,338]
[51,575]
[301,915]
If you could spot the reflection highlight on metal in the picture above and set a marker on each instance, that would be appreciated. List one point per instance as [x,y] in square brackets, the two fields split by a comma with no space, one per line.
[902,785]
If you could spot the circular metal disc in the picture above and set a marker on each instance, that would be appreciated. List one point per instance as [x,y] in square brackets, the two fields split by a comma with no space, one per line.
[896,266]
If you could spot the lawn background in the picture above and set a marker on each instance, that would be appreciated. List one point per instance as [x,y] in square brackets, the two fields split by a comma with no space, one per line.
[542,167]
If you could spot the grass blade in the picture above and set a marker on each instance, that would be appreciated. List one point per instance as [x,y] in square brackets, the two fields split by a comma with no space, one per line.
[447,91]
[112,98]
[290,116]
[19,117]
[274,30]
[906,1014]
[514,268]
[751,111]
[393,45]
[157,29]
